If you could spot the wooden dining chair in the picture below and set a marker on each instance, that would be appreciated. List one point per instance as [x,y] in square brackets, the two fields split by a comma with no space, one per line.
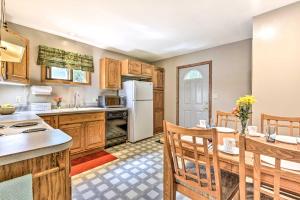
[259,190]
[194,167]
[226,119]
[283,125]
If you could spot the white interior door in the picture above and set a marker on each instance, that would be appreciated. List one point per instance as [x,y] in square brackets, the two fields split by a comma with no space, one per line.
[193,95]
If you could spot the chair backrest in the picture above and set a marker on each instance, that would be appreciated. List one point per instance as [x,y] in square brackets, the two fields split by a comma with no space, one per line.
[190,147]
[283,125]
[258,148]
[227,119]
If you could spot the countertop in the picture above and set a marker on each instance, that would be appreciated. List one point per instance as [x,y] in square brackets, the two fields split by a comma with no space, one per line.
[20,147]
[14,148]
[72,110]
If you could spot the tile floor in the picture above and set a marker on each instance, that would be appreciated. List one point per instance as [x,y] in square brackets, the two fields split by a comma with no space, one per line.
[137,174]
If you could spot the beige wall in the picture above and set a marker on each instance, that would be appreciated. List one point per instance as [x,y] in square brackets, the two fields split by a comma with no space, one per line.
[276,62]
[231,76]
[88,93]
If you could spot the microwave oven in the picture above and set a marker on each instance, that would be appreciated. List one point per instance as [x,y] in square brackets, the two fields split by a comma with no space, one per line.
[111,101]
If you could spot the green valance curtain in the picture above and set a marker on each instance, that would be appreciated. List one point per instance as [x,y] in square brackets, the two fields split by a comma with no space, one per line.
[53,57]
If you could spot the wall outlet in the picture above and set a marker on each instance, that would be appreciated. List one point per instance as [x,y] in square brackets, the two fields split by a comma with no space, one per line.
[18,99]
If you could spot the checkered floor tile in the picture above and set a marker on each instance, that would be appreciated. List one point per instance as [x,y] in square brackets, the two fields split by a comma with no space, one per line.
[136,175]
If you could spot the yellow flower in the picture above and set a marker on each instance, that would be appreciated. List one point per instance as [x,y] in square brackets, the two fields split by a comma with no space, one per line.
[246,100]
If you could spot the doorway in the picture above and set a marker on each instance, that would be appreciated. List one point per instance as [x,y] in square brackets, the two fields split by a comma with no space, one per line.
[194,93]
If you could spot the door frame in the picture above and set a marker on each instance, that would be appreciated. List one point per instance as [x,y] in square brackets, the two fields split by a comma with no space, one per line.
[209,63]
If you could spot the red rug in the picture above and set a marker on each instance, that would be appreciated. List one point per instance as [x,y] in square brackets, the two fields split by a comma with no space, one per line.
[90,161]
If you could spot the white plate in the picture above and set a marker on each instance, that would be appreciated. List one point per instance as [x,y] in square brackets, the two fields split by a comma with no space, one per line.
[256,134]
[225,130]
[298,140]
[286,139]
[235,150]
[284,163]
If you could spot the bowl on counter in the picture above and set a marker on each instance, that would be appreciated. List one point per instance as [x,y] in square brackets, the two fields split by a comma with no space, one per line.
[7,110]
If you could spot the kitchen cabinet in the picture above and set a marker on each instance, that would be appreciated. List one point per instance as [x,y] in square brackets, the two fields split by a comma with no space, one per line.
[110,74]
[158,99]
[50,173]
[92,137]
[158,110]
[86,129]
[51,120]
[131,67]
[147,70]
[77,134]
[17,72]
[158,78]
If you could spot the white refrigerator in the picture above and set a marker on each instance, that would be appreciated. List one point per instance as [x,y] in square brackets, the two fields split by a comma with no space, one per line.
[139,100]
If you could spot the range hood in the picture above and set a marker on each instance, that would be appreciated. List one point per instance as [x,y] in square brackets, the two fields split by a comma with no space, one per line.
[12,47]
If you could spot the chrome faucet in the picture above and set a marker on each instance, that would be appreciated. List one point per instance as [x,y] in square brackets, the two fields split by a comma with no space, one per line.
[76,99]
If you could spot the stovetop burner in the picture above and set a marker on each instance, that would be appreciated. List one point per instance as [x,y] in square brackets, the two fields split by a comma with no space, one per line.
[25,124]
[34,130]
[1,126]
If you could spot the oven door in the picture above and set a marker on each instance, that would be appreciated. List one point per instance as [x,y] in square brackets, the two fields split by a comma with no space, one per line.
[116,131]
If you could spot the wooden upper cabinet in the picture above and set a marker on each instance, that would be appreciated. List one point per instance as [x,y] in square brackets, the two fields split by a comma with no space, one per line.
[94,134]
[158,78]
[110,74]
[147,70]
[19,72]
[76,132]
[131,67]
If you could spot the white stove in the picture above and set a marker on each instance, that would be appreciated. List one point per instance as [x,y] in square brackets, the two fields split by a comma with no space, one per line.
[23,127]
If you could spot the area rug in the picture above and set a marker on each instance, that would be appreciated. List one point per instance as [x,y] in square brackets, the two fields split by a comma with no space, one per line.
[90,161]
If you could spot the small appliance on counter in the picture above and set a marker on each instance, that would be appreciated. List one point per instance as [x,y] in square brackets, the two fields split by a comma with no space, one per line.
[116,128]
[111,101]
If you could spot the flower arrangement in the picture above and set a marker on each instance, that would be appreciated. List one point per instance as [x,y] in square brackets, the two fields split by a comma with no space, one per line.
[58,101]
[243,109]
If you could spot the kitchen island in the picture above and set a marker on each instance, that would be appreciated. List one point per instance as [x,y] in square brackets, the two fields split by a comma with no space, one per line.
[44,155]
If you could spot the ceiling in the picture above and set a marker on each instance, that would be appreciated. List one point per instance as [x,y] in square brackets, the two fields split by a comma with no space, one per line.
[147,29]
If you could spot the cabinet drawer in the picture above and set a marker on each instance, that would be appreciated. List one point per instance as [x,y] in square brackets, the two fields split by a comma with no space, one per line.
[75,118]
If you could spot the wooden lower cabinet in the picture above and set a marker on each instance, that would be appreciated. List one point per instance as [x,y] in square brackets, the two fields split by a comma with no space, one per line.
[77,134]
[51,120]
[47,184]
[158,121]
[87,131]
[94,134]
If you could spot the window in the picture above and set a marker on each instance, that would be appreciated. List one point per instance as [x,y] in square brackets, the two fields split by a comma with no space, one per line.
[66,76]
[59,73]
[193,74]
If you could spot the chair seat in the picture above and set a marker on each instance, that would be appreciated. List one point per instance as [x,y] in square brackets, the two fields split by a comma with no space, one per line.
[229,182]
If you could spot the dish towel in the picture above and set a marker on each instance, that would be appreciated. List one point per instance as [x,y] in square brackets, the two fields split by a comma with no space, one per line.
[17,189]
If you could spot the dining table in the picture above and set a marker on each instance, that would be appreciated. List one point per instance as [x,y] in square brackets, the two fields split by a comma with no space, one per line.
[230,163]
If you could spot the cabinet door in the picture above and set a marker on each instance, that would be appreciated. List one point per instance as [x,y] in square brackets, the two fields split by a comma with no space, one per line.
[94,134]
[110,73]
[158,78]
[18,71]
[76,132]
[158,121]
[134,68]
[147,70]
[158,110]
